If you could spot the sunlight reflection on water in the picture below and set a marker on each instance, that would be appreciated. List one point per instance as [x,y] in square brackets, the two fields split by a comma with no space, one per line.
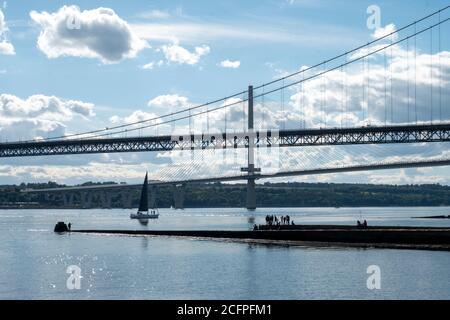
[34,260]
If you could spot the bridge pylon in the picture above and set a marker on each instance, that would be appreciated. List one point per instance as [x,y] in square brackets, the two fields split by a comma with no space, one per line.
[250,169]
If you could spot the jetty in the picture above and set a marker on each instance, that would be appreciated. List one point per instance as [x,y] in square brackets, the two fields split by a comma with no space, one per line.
[433,217]
[424,238]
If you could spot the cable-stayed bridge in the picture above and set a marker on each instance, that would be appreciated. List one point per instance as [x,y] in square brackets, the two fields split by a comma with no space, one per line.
[393,90]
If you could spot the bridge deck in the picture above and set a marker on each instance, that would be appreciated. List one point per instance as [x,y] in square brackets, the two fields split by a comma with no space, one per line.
[271,138]
[382,166]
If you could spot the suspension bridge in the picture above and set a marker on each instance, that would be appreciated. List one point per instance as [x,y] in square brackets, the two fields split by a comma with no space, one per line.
[338,116]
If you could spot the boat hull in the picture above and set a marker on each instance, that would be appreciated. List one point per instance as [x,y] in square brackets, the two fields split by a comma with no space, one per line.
[144,216]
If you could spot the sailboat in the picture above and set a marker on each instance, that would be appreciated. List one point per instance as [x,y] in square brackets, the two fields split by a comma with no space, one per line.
[143,212]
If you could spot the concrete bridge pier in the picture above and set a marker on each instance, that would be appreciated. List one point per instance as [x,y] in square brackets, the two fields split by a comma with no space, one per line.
[42,197]
[86,200]
[152,199]
[48,197]
[127,199]
[68,199]
[52,198]
[251,194]
[106,199]
[178,196]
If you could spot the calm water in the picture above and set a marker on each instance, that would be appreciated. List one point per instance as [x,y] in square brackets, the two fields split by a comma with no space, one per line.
[33,260]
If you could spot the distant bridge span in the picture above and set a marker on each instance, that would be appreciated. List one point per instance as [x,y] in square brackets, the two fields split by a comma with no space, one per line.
[416,133]
[381,166]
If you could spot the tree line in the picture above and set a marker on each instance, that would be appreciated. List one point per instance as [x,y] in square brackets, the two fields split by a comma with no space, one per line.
[268,195]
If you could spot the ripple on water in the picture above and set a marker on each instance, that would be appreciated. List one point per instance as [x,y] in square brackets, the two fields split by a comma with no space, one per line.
[33,261]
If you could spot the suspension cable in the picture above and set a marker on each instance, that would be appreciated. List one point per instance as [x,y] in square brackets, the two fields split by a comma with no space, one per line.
[284,86]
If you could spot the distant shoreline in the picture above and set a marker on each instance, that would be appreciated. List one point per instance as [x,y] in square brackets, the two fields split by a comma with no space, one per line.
[221,207]
[218,195]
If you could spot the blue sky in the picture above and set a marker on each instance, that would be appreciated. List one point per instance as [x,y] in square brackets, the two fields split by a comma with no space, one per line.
[260,39]
[126,86]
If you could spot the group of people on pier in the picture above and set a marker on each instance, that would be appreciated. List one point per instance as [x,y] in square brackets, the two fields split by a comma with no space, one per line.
[273,220]
[275,223]
[361,225]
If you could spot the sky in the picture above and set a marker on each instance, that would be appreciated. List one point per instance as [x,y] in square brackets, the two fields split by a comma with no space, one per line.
[68,67]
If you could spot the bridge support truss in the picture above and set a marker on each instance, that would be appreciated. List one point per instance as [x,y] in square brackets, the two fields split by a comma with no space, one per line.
[415,133]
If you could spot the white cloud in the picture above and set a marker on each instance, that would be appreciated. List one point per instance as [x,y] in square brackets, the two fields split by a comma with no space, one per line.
[99,33]
[114,119]
[75,174]
[383,31]
[286,32]
[402,177]
[2,22]
[6,48]
[50,107]
[139,115]
[142,124]
[155,14]
[305,3]
[176,53]
[361,104]
[159,105]
[230,64]
[38,115]
[200,32]
[170,102]
[151,65]
[135,116]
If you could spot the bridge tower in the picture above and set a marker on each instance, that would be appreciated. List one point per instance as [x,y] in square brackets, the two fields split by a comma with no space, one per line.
[250,169]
